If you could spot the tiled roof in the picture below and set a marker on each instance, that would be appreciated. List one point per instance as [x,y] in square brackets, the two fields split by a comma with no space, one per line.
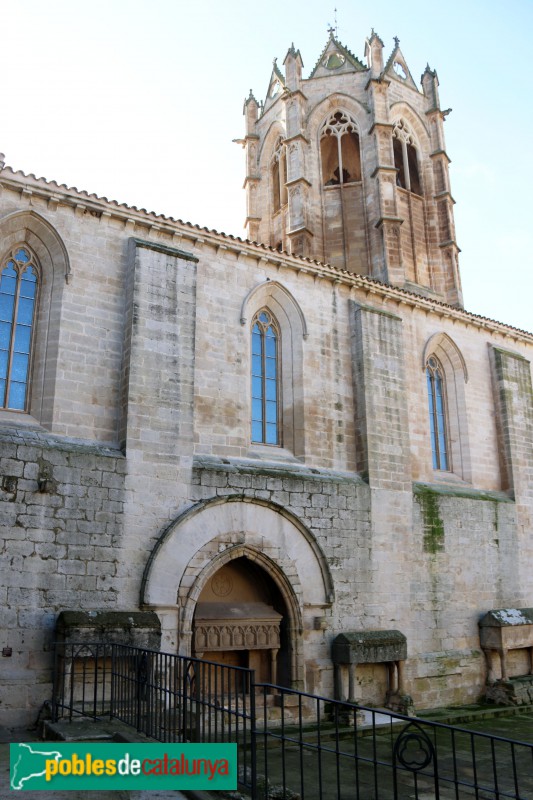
[360,280]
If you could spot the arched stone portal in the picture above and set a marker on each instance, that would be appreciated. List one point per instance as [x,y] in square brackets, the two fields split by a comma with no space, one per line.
[241,619]
[271,555]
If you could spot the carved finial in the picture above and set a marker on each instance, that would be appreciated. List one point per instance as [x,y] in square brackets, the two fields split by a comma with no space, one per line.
[292,50]
[333,29]
[396,41]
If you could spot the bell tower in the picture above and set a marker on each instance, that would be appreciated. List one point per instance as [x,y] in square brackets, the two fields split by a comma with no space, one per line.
[349,167]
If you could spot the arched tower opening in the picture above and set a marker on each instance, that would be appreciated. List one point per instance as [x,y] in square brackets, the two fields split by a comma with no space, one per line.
[342,192]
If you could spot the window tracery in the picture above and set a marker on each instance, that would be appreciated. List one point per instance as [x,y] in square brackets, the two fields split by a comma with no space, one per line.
[18,300]
[340,150]
[265,379]
[405,158]
[437,413]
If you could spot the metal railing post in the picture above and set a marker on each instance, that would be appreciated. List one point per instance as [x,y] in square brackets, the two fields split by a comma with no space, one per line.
[112,687]
[55,687]
[253,739]
[197,697]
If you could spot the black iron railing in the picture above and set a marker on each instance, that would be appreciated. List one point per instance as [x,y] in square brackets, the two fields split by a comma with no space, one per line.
[290,744]
[167,697]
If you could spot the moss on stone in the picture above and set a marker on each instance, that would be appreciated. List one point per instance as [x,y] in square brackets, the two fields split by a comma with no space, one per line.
[427,499]
[496,521]
[466,492]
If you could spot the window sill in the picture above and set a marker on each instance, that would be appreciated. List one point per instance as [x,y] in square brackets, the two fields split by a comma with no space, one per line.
[342,185]
[445,476]
[265,452]
[410,192]
[19,419]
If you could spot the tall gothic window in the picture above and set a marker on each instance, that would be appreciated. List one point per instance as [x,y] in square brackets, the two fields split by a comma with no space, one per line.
[339,150]
[265,379]
[405,158]
[18,296]
[278,172]
[437,413]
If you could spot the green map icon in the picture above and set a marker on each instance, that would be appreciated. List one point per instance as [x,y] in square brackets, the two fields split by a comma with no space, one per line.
[28,763]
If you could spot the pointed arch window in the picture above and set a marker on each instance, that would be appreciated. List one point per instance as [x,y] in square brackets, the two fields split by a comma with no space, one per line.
[18,297]
[406,158]
[437,414]
[18,301]
[265,379]
[278,173]
[340,150]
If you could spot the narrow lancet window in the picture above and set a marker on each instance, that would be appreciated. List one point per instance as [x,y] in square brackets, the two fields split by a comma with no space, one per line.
[18,297]
[278,174]
[437,414]
[405,158]
[265,379]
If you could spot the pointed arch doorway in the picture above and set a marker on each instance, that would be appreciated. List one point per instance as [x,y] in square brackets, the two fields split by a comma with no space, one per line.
[241,620]
[278,563]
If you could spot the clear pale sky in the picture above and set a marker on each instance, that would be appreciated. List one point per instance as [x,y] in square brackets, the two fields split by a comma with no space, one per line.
[139,100]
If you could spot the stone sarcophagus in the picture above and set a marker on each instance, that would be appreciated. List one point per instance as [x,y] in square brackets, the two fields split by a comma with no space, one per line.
[223,627]
[137,628]
[85,652]
[502,630]
[369,647]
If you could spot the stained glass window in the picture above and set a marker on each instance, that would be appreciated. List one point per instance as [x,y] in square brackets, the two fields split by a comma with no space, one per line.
[265,379]
[18,296]
[437,414]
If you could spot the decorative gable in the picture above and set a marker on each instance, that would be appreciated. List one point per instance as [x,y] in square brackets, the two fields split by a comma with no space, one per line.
[336,58]
[397,69]
[276,85]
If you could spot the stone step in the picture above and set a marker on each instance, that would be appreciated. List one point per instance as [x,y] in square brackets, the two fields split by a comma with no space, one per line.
[89,730]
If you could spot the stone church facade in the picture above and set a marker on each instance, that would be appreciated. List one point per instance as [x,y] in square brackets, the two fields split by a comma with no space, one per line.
[304,429]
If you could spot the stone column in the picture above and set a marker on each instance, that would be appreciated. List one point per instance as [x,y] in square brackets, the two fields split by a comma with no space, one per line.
[400,666]
[351,682]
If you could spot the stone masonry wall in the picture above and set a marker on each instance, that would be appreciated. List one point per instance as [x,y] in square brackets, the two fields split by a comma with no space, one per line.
[463,558]
[453,556]
[59,549]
